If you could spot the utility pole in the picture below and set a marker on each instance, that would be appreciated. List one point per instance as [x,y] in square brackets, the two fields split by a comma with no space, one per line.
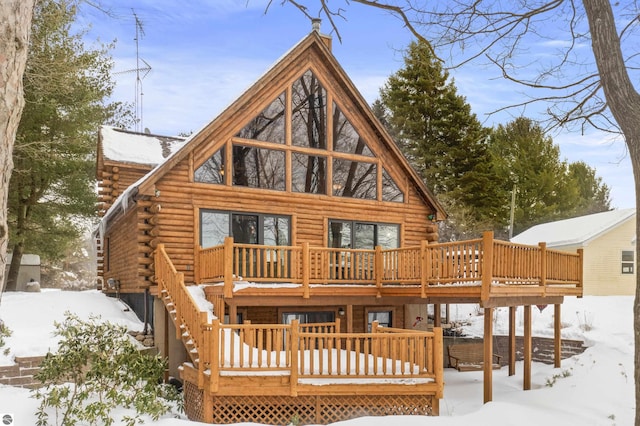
[513,208]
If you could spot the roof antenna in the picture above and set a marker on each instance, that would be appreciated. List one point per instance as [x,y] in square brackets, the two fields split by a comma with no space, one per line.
[315,24]
[141,71]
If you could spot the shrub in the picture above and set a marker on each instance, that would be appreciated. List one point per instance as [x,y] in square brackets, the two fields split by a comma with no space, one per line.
[4,333]
[96,369]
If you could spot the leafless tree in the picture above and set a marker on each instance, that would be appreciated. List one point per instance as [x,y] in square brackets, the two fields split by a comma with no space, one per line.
[15,21]
[585,79]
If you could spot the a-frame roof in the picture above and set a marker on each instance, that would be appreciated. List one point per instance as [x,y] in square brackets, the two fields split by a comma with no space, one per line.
[316,44]
[578,231]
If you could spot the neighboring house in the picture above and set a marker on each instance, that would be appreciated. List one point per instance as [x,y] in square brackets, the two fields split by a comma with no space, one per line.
[296,223]
[608,241]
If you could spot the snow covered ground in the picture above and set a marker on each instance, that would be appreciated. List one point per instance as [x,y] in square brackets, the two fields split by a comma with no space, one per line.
[594,388]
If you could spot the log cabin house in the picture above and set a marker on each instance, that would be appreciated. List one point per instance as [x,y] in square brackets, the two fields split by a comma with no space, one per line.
[283,252]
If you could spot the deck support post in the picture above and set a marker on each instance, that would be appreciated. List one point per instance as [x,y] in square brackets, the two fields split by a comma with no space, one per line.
[527,348]
[438,362]
[214,363]
[512,340]
[379,270]
[207,409]
[487,265]
[543,267]
[228,268]
[295,354]
[306,262]
[557,336]
[426,268]
[580,284]
[437,321]
[349,314]
[487,365]
[233,314]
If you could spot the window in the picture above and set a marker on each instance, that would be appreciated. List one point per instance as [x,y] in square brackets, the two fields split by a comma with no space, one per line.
[308,174]
[363,235]
[628,261]
[246,228]
[212,170]
[285,148]
[355,179]
[258,168]
[384,318]
[310,317]
[267,126]
[345,136]
[390,189]
[308,112]
[214,227]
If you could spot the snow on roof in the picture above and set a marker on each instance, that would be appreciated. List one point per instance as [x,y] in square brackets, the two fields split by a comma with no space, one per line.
[140,148]
[576,231]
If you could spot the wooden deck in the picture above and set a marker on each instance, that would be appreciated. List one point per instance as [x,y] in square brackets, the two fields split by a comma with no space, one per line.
[297,368]
[266,372]
[485,270]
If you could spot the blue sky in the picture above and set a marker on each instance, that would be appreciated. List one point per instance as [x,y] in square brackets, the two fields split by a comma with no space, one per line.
[205,53]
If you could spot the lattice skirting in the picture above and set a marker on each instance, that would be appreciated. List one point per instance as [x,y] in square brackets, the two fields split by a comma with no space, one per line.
[193,401]
[322,409]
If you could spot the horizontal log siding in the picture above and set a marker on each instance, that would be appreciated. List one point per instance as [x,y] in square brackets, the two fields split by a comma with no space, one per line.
[262,315]
[175,219]
[123,254]
[114,179]
[130,174]
[181,199]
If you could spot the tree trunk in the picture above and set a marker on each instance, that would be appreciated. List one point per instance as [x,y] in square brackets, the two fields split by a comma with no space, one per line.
[14,268]
[624,103]
[15,22]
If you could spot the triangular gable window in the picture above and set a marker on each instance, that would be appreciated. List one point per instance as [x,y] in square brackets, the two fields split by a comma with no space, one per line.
[269,125]
[302,122]
[345,136]
[212,170]
[390,189]
[308,112]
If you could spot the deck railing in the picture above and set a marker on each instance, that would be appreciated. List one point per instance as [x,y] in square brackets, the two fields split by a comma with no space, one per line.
[302,352]
[184,308]
[482,262]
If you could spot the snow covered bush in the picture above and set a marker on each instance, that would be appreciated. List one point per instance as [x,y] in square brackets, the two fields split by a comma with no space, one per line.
[98,368]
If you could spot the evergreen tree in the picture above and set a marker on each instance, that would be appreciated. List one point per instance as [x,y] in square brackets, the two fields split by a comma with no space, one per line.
[52,184]
[547,188]
[438,133]
[594,196]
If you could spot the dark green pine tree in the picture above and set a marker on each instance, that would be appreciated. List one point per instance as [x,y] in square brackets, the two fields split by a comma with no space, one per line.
[547,188]
[441,137]
[594,196]
[52,184]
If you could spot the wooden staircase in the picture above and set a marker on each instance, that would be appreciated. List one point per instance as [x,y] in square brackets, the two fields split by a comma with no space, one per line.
[185,313]
[182,331]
